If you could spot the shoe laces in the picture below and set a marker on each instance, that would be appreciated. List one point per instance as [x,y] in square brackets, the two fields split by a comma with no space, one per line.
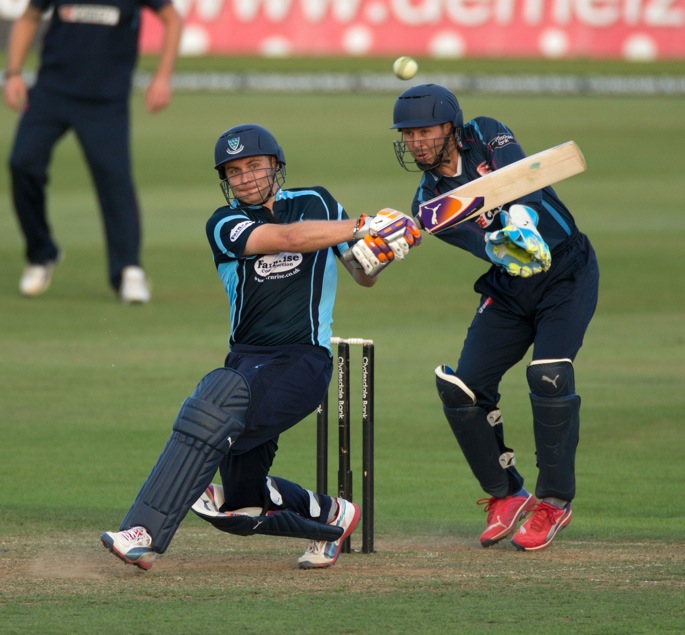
[544,515]
[316,547]
[137,536]
[490,505]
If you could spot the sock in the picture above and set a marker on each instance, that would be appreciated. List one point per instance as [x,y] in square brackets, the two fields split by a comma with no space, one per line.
[557,502]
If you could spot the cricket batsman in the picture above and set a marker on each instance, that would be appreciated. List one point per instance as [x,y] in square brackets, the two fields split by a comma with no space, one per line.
[539,291]
[275,252]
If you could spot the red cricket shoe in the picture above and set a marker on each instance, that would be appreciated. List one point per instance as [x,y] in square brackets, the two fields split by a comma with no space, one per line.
[539,530]
[503,514]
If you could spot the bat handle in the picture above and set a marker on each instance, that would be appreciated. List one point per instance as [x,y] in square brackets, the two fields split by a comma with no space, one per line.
[349,258]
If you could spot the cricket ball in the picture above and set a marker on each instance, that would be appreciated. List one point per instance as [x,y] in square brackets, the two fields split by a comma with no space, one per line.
[405,67]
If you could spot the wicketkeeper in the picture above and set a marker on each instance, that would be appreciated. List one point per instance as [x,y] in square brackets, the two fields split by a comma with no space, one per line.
[275,251]
[540,290]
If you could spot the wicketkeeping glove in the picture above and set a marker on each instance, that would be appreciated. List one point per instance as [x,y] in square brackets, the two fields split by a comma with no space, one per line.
[398,230]
[518,247]
[373,254]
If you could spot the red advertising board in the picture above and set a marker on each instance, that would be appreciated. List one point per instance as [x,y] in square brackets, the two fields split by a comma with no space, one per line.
[620,29]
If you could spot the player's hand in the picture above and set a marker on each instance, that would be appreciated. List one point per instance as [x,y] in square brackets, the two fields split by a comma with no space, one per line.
[518,247]
[15,92]
[397,229]
[158,94]
[373,254]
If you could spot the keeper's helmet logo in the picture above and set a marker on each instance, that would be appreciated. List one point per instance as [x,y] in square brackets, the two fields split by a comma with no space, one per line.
[234,146]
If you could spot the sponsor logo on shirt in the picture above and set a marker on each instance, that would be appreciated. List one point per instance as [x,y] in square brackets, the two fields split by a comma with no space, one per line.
[276,266]
[501,140]
[239,229]
[485,304]
[483,168]
[90,14]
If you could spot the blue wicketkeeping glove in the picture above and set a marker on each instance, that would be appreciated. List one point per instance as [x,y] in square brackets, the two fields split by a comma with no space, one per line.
[518,247]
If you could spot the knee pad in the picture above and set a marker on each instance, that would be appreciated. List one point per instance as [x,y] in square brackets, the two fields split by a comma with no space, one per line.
[551,378]
[209,422]
[453,392]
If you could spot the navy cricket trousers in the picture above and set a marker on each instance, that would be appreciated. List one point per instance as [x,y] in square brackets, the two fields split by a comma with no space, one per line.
[549,311]
[102,129]
[287,383]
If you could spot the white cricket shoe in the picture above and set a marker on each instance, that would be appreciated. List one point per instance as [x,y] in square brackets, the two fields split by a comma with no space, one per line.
[133,546]
[321,554]
[134,288]
[36,279]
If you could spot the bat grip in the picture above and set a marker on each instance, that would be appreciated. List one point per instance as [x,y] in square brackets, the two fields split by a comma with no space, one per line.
[349,258]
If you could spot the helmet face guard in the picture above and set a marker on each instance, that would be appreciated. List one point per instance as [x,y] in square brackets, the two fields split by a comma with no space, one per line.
[249,140]
[274,180]
[441,147]
[424,106]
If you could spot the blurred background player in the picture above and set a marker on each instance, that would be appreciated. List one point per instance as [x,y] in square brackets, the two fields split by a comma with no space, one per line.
[541,290]
[84,82]
[275,252]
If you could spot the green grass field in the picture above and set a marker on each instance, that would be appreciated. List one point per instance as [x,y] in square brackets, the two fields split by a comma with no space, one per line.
[89,389]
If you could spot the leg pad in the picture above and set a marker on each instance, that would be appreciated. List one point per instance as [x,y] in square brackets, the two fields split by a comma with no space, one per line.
[482,448]
[278,523]
[556,423]
[209,422]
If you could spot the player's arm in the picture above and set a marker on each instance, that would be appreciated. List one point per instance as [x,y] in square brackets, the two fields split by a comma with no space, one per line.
[307,236]
[21,38]
[158,93]
[300,238]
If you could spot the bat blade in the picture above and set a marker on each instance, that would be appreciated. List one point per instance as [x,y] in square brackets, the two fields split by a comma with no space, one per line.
[505,185]
[447,211]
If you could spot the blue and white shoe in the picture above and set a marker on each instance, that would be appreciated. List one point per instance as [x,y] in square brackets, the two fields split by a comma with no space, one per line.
[133,546]
[320,554]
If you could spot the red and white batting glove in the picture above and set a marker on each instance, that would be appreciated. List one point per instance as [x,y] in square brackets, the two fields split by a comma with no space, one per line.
[373,254]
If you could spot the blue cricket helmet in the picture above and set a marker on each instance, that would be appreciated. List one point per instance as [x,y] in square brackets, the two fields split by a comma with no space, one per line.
[426,105]
[246,140]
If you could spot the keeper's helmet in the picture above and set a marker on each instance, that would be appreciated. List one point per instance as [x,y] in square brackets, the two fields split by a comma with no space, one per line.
[247,140]
[426,105]
[423,106]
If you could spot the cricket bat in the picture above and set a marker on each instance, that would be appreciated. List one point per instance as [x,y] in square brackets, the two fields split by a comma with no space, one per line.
[501,186]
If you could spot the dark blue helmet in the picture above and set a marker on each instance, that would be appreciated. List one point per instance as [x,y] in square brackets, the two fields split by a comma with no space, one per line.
[246,140]
[427,105]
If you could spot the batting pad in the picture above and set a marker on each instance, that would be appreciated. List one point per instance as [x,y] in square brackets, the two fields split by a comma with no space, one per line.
[277,523]
[209,422]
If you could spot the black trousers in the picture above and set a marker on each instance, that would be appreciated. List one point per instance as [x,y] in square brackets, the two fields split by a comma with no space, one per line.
[102,129]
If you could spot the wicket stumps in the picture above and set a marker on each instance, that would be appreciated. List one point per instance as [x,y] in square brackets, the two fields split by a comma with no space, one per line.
[345,479]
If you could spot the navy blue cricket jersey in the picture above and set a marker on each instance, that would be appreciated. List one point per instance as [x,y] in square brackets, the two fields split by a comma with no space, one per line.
[277,299]
[488,145]
[90,48]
